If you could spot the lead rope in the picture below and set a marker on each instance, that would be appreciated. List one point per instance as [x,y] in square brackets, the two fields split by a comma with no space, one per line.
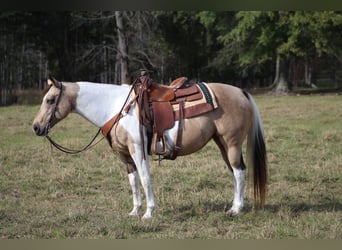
[75,151]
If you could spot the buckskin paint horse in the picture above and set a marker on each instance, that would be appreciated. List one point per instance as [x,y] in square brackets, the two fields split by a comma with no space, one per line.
[236,118]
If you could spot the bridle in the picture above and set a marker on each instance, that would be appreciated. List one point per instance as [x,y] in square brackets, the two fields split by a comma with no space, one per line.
[53,117]
[55,109]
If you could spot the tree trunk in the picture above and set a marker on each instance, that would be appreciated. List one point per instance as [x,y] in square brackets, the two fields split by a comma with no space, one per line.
[276,78]
[280,83]
[122,48]
[333,72]
[105,64]
[40,71]
[308,74]
[117,77]
[20,68]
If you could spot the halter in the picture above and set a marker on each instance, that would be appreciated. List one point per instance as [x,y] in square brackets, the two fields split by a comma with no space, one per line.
[53,117]
[55,109]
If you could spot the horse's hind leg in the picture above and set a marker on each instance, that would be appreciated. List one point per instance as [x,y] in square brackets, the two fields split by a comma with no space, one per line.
[133,178]
[239,173]
[234,161]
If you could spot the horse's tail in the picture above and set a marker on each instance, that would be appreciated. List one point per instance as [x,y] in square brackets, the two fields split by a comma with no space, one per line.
[256,155]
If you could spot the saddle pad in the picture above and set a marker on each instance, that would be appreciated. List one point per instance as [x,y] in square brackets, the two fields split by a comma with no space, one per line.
[193,108]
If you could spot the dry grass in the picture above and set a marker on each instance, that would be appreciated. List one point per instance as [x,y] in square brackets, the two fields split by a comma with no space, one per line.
[47,194]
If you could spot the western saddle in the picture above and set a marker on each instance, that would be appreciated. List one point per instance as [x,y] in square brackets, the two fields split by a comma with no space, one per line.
[160,106]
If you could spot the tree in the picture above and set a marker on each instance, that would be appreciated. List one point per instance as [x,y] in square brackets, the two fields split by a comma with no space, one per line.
[313,34]
[254,41]
[122,48]
[246,48]
[215,22]
[260,37]
[22,64]
[123,37]
[184,38]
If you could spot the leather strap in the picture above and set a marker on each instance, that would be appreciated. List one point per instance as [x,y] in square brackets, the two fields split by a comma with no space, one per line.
[177,147]
[109,125]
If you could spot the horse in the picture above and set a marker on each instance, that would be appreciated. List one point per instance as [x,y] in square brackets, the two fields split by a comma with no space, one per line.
[235,119]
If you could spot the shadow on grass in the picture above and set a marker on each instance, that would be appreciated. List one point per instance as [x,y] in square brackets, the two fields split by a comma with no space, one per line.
[183,212]
[302,207]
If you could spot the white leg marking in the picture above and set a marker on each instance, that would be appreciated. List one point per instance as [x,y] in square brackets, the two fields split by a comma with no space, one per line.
[239,188]
[143,169]
[134,182]
[146,183]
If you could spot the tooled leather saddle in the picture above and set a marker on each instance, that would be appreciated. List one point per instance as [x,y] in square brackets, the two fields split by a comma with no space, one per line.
[160,106]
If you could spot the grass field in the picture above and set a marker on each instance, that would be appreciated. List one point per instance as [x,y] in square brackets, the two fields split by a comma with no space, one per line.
[48,194]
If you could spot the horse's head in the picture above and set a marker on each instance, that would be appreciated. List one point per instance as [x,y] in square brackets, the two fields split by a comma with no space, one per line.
[55,107]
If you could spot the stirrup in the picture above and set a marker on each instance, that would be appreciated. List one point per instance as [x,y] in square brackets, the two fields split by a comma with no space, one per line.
[159,146]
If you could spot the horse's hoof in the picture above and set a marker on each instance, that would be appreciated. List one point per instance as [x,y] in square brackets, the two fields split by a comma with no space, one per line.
[232,213]
[135,211]
[148,213]
[133,214]
[146,217]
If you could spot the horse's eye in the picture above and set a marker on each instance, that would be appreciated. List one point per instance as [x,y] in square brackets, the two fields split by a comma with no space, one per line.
[50,100]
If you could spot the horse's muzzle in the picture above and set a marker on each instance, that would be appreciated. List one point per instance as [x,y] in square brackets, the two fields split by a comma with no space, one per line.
[38,130]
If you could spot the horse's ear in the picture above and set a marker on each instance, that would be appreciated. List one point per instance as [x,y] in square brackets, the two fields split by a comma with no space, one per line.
[49,82]
[52,81]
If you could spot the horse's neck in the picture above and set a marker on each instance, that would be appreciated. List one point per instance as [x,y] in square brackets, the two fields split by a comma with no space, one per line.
[99,102]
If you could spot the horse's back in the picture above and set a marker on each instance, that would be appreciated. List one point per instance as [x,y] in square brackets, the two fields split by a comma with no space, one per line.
[230,98]
[227,92]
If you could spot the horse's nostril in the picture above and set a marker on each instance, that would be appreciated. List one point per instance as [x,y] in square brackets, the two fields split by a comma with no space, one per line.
[35,128]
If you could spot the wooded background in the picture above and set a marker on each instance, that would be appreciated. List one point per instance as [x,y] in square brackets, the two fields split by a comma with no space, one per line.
[278,50]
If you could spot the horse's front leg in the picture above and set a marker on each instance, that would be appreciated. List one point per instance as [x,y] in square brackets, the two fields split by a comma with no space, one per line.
[134,182]
[143,169]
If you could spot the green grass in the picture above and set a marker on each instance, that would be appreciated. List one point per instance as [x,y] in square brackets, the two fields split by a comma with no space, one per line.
[48,194]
